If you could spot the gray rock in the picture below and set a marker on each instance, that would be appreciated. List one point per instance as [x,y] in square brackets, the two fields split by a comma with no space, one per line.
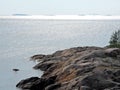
[80,68]
[85,88]
[112,52]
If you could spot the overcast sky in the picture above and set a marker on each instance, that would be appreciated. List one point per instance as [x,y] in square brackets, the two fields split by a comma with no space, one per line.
[51,7]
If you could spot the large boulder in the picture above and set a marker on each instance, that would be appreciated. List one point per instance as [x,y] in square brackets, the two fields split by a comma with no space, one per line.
[35,83]
[28,83]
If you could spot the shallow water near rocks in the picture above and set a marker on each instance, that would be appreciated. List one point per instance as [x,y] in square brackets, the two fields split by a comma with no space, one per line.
[22,38]
[10,78]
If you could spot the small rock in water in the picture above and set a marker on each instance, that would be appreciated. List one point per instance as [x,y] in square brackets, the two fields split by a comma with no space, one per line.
[15,70]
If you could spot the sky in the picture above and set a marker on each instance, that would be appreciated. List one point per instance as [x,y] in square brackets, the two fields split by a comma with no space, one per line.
[60,7]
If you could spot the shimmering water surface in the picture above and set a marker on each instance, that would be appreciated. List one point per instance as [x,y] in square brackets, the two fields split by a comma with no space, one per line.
[22,38]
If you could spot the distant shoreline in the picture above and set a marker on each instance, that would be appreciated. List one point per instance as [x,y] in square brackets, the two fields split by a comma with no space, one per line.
[64,17]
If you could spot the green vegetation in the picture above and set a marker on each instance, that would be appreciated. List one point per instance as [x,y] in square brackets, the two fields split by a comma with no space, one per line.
[115,39]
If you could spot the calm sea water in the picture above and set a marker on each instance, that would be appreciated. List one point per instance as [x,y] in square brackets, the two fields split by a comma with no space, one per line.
[22,38]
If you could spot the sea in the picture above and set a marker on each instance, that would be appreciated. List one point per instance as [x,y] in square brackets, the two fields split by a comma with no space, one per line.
[22,38]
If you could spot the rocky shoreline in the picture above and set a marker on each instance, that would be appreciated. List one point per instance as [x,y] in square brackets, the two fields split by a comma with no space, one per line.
[79,68]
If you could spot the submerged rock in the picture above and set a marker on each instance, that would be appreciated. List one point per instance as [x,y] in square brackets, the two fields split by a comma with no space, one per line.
[80,68]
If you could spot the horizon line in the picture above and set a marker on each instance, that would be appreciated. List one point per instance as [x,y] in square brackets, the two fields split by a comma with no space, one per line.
[77,17]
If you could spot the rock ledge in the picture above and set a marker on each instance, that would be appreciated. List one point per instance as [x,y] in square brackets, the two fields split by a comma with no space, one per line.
[80,68]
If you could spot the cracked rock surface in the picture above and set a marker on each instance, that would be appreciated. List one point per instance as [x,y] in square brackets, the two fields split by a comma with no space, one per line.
[79,68]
